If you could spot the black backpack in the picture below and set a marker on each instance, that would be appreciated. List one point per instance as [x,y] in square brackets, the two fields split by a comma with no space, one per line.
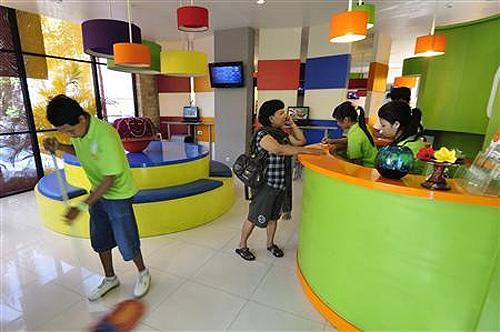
[251,169]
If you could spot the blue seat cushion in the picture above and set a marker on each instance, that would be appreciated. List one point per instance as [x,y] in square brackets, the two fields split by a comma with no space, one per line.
[175,192]
[219,170]
[49,187]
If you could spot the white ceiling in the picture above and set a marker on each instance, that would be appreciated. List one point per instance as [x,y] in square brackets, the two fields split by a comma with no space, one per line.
[403,19]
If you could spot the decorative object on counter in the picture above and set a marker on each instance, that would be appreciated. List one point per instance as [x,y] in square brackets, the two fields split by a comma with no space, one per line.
[483,176]
[441,160]
[135,133]
[394,162]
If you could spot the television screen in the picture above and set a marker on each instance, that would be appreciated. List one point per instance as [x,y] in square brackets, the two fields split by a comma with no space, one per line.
[226,74]
[190,112]
[299,113]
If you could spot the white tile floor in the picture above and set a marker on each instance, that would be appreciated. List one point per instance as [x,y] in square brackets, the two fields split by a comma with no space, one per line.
[198,282]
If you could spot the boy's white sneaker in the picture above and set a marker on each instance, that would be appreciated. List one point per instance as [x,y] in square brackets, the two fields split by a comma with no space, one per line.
[106,285]
[142,283]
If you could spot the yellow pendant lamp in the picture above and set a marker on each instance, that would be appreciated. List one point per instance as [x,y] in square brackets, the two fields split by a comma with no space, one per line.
[131,54]
[431,44]
[184,63]
[349,26]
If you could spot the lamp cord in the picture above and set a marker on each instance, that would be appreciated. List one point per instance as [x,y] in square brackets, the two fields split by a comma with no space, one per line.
[129,21]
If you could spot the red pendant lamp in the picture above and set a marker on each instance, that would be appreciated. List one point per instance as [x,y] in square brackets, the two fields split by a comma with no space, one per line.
[431,44]
[131,54]
[192,18]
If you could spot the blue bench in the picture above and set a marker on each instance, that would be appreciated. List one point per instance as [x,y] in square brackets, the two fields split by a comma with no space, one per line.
[175,192]
[49,187]
[219,170]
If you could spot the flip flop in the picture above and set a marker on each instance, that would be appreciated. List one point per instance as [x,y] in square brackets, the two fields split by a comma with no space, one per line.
[245,253]
[276,251]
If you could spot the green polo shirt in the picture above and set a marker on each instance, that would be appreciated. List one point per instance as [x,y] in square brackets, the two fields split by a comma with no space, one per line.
[359,146]
[415,146]
[100,153]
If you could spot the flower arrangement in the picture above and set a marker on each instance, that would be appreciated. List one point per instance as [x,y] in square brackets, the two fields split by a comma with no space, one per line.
[442,155]
[441,159]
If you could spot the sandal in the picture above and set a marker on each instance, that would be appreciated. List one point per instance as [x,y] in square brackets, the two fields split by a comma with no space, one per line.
[245,253]
[276,251]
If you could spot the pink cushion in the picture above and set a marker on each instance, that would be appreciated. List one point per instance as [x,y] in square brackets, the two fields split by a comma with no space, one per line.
[134,128]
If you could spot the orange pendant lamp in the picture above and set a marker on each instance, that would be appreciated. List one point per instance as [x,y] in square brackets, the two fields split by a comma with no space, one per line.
[349,26]
[431,44]
[131,54]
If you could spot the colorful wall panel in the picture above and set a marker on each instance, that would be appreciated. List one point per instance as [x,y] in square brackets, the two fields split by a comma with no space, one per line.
[329,72]
[171,104]
[289,97]
[322,102]
[377,77]
[319,43]
[276,44]
[278,70]
[168,84]
[278,74]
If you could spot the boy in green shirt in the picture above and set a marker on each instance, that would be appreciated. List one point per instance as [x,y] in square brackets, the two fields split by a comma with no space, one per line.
[98,148]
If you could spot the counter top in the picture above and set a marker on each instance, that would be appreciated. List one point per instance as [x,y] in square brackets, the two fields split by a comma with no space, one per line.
[338,168]
[158,153]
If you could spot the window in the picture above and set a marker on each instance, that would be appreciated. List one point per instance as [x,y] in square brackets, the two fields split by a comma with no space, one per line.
[117,93]
[53,62]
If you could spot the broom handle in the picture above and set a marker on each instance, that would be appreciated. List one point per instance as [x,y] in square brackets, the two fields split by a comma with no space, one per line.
[60,180]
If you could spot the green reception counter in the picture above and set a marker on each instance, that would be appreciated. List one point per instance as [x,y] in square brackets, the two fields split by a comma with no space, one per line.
[379,255]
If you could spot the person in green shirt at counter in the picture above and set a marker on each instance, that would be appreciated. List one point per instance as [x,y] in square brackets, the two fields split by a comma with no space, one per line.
[403,124]
[360,146]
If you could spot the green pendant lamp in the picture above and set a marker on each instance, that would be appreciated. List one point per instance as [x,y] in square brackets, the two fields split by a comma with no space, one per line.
[153,69]
[370,9]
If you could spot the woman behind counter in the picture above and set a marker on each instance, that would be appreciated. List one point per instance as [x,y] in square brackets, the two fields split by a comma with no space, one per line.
[360,146]
[403,124]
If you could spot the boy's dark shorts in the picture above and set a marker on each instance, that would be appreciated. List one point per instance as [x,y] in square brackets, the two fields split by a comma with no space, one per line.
[112,223]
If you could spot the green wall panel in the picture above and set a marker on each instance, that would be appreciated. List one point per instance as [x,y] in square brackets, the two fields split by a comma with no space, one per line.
[456,86]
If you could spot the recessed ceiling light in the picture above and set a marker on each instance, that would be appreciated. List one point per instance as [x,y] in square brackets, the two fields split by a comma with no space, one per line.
[261,2]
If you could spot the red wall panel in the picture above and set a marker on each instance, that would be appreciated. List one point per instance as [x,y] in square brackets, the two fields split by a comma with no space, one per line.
[278,74]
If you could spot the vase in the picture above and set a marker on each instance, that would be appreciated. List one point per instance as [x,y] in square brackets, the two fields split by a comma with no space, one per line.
[437,181]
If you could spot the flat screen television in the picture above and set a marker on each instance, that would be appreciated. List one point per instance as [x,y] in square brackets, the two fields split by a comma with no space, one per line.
[226,74]
[190,113]
[299,114]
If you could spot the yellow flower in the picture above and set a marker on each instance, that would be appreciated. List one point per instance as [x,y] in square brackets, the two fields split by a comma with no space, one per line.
[445,155]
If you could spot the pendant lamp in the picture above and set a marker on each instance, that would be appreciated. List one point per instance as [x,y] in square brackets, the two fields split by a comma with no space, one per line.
[370,9]
[131,54]
[184,63]
[99,36]
[153,69]
[192,18]
[349,26]
[405,81]
[432,44]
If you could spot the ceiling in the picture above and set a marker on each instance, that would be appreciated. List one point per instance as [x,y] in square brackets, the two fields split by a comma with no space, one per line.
[402,19]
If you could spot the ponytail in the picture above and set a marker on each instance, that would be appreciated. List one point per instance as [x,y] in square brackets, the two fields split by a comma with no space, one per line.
[362,124]
[409,120]
[347,110]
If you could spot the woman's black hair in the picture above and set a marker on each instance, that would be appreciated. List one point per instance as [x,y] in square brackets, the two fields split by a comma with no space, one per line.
[268,109]
[347,110]
[402,93]
[409,120]
[63,110]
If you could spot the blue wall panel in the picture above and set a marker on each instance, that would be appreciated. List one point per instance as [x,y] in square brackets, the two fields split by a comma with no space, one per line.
[329,72]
